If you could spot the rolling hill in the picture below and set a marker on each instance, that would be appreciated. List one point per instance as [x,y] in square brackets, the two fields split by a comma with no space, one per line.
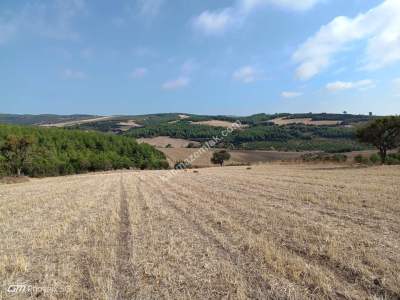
[272,132]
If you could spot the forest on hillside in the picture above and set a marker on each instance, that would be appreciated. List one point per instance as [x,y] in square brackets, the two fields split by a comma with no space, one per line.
[53,152]
[267,136]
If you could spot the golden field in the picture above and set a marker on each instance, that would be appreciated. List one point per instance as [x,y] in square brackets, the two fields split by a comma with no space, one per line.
[238,157]
[277,231]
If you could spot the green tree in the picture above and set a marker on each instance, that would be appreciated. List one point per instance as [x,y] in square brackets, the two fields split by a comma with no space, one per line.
[220,157]
[16,151]
[383,133]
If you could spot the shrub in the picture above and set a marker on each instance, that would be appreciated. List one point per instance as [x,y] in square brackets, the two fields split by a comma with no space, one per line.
[361,159]
[339,158]
[192,145]
[374,158]
[393,159]
[318,157]
[180,165]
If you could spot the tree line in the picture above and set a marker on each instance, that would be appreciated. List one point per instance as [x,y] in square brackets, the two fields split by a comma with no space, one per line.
[38,152]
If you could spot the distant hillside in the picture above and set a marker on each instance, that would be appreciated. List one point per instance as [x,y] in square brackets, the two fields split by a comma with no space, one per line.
[40,119]
[282,132]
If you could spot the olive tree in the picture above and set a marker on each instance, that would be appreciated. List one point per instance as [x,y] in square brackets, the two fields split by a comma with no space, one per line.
[220,157]
[383,133]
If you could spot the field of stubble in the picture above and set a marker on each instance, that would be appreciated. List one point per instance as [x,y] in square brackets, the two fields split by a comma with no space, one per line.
[275,231]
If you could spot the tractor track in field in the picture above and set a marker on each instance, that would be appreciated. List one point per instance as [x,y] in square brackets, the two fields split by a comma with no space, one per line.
[124,247]
[261,289]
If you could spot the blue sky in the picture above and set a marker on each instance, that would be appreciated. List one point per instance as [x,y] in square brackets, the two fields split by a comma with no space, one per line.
[200,56]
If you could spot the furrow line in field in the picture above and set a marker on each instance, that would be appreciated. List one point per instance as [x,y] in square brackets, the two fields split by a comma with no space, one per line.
[226,243]
[124,251]
[344,272]
[279,193]
[244,227]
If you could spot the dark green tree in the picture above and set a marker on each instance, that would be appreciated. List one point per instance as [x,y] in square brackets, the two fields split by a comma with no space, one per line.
[220,157]
[16,151]
[383,133]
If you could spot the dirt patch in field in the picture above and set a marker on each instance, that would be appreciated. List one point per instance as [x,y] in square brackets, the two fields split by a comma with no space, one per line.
[163,141]
[305,121]
[217,123]
[126,125]
[237,156]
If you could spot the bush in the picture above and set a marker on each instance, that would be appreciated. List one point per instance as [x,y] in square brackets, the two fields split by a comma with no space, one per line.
[393,159]
[375,159]
[318,157]
[192,145]
[361,159]
[180,165]
[339,158]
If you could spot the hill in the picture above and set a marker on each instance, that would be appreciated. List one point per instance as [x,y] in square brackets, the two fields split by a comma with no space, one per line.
[41,119]
[280,132]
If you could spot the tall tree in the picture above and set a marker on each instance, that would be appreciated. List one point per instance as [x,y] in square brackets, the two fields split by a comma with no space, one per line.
[16,152]
[383,133]
[220,157]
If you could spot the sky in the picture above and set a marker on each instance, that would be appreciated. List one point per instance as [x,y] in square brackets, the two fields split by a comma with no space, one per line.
[232,57]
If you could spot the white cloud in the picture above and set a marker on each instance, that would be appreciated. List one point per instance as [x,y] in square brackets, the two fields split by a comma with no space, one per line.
[214,22]
[343,85]
[74,74]
[378,27]
[246,74]
[217,22]
[52,20]
[139,73]
[176,84]
[290,95]
[150,8]
[299,5]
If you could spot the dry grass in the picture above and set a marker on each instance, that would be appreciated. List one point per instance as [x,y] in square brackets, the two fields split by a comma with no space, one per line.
[306,121]
[238,157]
[163,141]
[13,180]
[270,232]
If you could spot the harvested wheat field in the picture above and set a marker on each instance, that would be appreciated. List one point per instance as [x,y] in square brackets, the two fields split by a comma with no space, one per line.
[238,157]
[164,141]
[271,232]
